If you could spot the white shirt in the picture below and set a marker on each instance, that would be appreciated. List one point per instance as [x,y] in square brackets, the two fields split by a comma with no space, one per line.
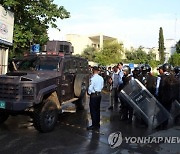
[115,79]
[157,85]
[121,74]
[96,84]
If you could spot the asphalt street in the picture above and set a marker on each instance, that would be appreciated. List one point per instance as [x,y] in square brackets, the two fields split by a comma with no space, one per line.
[18,136]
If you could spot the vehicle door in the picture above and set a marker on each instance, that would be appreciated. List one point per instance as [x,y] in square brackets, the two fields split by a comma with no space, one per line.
[67,80]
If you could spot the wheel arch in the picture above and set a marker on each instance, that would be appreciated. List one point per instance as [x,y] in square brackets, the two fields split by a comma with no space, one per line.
[48,93]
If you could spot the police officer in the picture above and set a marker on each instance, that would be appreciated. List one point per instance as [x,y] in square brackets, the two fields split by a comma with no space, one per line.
[126,111]
[168,90]
[149,80]
[137,74]
[177,76]
[177,72]
[94,90]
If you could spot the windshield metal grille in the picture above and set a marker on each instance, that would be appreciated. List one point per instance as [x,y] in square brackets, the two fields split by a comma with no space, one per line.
[9,91]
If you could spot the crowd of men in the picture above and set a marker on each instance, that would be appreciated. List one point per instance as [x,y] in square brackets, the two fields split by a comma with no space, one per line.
[165,86]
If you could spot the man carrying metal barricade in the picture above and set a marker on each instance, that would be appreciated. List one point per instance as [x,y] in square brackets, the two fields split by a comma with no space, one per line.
[126,111]
[146,106]
[144,103]
[137,74]
[149,81]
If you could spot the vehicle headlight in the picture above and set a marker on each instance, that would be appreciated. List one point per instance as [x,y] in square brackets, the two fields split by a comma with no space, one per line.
[28,90]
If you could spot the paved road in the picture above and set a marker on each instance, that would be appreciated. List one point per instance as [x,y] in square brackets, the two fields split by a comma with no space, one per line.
[18,136]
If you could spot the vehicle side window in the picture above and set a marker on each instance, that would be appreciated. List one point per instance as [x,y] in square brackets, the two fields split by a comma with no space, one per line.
[73,66]
[64,48]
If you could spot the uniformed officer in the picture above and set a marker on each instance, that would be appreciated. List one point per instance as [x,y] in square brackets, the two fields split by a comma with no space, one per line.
[149,80]
[177,72]
[137,74]
[167,90]
[177,76]
[94,90]
[126,111]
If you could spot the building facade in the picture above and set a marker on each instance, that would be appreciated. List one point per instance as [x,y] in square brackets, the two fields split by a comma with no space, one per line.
[170,48]
[153,50]
[6,37]
[80,42]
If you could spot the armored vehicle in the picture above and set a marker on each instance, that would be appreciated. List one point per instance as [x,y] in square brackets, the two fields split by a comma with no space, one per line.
[42,83]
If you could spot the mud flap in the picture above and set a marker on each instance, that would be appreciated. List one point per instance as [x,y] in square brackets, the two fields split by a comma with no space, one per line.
[145,105]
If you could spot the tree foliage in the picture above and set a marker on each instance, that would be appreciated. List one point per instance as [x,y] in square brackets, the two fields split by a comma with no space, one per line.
[89,53]
[32,20]
[175,59]
[136,56]
[139,56]
[161,46]
[178,47]
[111,53]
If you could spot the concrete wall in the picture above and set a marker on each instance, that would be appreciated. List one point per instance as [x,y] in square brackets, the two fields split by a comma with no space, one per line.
[79,42]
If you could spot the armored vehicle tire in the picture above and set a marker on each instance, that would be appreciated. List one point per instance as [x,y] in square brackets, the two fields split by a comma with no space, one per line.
[45,116]
[3,116]
[80,85]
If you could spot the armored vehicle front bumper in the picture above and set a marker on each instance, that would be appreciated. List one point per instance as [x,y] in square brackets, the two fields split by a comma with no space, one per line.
[10,98]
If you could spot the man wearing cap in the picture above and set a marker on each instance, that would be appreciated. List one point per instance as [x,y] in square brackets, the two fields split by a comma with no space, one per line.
[94,90]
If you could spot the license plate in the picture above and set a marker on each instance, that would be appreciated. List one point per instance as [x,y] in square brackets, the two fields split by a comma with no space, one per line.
[2,104]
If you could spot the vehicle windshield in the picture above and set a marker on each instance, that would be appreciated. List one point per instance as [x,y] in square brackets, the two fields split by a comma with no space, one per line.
[48,63]
[28,63]
[39,63]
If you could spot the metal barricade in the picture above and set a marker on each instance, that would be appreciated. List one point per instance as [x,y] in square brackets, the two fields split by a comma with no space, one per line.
[145,105]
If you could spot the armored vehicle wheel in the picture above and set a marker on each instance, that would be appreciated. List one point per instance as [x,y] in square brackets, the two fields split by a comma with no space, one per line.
[80,85]
[3,116]
[45,116]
